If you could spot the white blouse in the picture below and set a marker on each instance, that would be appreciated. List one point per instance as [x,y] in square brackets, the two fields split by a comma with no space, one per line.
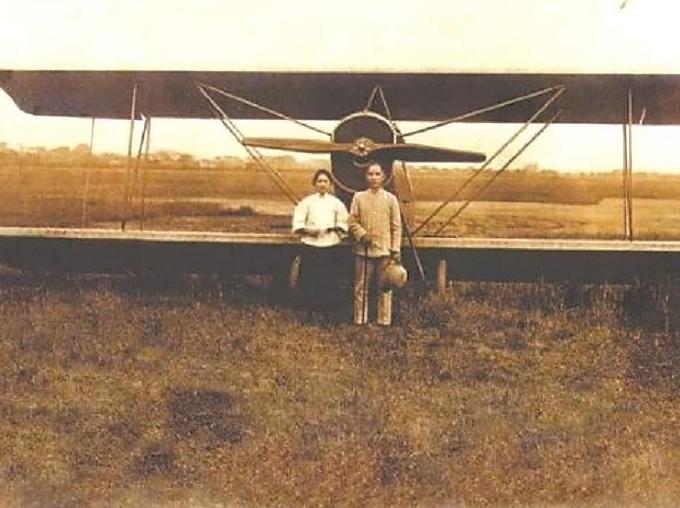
[324,212]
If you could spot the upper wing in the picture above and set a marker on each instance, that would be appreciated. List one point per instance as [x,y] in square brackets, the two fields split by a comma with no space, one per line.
[589,98]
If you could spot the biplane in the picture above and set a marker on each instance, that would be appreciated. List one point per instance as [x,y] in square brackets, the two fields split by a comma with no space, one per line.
[367,108]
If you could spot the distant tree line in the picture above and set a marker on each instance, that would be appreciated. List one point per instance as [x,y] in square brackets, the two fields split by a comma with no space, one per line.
[80,156]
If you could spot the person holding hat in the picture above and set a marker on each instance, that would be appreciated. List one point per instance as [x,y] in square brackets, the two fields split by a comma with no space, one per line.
[375,226]
[321,221]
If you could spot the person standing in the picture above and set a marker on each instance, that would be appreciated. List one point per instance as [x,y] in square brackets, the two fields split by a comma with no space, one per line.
[375,226]
[320,220]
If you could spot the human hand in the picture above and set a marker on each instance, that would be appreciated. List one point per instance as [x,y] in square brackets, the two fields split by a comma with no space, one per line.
[366,240]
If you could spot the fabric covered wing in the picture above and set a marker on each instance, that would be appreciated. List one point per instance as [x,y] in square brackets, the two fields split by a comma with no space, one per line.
[589,98]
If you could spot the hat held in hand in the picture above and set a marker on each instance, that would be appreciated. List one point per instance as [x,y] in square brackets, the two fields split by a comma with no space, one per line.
[394,276]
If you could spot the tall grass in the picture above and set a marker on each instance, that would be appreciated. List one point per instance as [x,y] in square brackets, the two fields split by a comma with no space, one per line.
[116,392]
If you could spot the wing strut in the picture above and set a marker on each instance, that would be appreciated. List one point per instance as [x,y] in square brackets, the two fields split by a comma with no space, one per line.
[133,115]
[88,176]
[487,109]
[143,141]
[132,173]
[133,176]
[559,91]
[144,171]
[628,169]
[497,173]
[272,112]
[377,89]
[371,98]
[267,168]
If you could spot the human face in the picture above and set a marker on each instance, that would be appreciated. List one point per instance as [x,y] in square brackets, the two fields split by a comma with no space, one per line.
[322,184]
[375,177]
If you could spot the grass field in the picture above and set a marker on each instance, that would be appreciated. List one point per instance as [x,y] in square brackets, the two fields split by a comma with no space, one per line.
[124,392]
[654,219]
[493,395]
[235,200]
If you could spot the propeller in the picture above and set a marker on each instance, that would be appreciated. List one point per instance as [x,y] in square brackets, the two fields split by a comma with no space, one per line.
[364,148]
[298,145]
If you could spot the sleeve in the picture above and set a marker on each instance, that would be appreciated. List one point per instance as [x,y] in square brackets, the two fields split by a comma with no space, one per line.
[355,228]
[341,216]
[300,216]
[395,225]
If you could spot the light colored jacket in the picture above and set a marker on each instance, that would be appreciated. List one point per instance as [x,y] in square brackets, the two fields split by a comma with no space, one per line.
[375,213]
[324,212]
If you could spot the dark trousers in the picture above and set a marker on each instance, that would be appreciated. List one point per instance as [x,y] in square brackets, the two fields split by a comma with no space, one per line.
[318,278]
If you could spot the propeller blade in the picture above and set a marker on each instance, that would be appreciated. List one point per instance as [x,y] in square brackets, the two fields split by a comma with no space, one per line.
[298,145]
[410,152]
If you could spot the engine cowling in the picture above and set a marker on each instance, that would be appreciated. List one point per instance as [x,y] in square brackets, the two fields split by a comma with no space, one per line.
[363,129]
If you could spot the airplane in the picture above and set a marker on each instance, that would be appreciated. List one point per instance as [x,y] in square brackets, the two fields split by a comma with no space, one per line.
[364,130]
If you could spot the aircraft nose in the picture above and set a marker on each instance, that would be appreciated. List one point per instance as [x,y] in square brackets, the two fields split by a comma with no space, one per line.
[362,147]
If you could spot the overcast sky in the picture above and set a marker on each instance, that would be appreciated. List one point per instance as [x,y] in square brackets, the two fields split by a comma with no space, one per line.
[479,35]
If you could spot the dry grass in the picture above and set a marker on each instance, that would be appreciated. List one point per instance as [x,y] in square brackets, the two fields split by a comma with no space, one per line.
[55,196]
[653,219]
[163,393]
[518,205]
[492,395]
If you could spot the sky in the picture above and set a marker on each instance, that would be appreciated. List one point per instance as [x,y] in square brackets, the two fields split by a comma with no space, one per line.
[428,35]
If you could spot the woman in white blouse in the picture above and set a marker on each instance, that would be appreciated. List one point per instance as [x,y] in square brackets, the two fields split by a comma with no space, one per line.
[321,221]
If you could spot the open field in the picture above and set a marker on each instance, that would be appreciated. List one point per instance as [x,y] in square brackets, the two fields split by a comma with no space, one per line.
[55,197]
[116,393]
[654,219]
[119,391]
[518,205]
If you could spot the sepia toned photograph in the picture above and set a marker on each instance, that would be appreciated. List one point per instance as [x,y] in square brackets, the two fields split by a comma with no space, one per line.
[282,254]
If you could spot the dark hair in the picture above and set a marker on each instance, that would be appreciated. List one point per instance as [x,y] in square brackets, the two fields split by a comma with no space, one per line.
[375,163]
[320,172]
